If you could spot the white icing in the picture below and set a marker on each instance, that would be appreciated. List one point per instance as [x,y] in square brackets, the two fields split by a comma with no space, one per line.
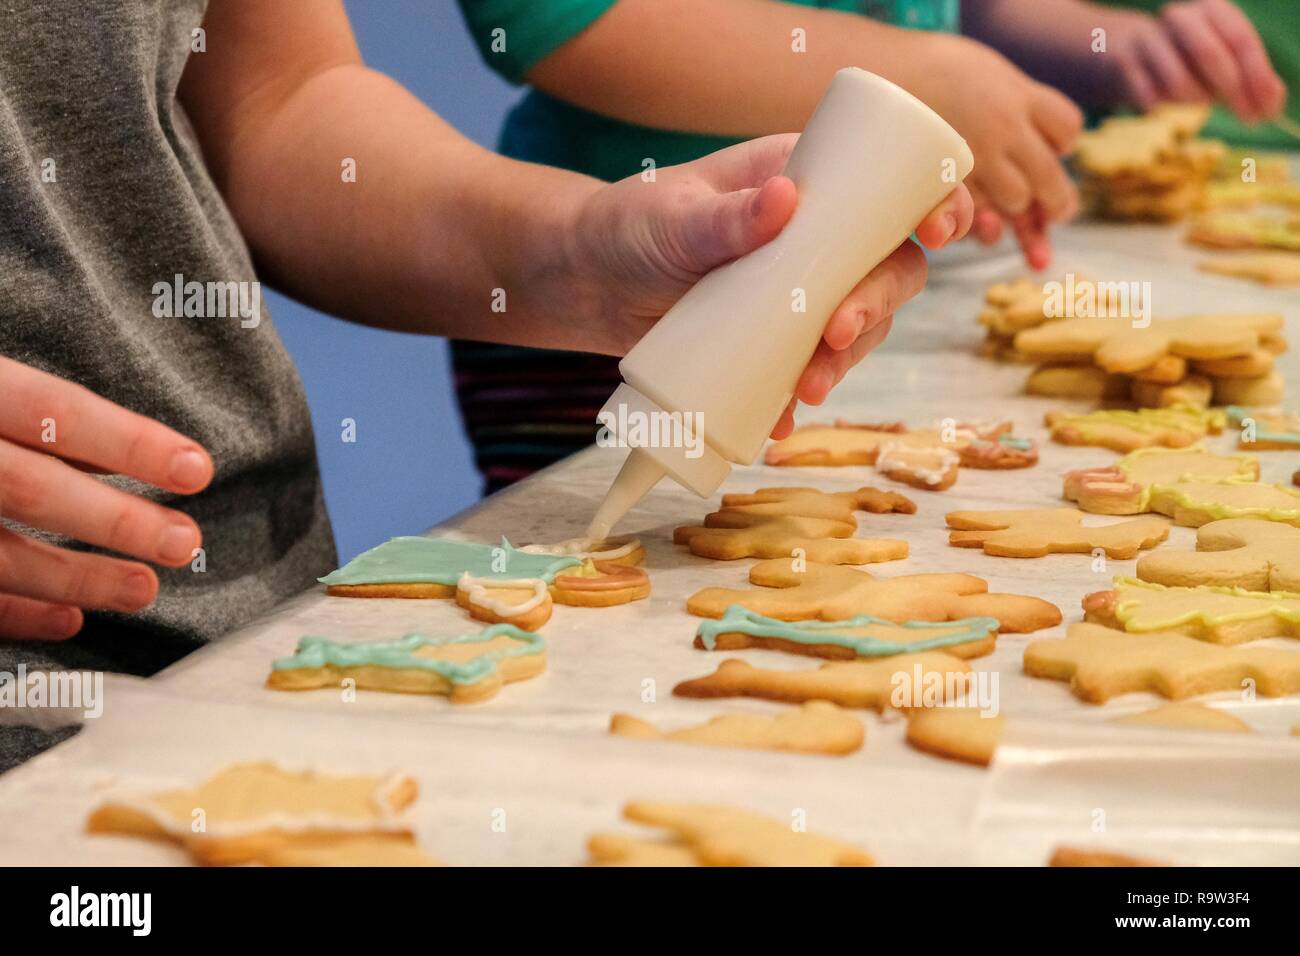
[903,458]
[582,548]
[478,590]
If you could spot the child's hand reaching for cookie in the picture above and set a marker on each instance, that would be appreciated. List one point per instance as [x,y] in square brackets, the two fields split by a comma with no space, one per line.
[641,245]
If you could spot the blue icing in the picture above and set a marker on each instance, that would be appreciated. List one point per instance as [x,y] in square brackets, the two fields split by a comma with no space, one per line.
[739,619]
[412,560]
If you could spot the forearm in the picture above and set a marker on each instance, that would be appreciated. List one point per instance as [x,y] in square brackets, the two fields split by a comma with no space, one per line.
[430,229]
[726,67]
[1053,41]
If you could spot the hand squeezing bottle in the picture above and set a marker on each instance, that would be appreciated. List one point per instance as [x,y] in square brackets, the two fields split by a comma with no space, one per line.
[872,161]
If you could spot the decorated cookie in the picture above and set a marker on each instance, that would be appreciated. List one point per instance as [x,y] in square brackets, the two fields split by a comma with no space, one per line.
[860,684]
[971,736]
[930,469]
[1265,429]
[598,584]
[468,668]
[817,727]
[835,593]
[1235,552]
[1124,488]
[710,835]
[1234,229]
[1117,345]
[1218,615]
[525,603]
[819,539]
[1000,453]
[1269,268]
[1125,431]
[861,636]
[1101,663]
[1035,532]
[621,550]
[252,810]
[411,567]
[740,510]
[1194,503]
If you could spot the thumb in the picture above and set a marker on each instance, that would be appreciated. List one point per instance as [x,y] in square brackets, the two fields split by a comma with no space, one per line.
[719,227]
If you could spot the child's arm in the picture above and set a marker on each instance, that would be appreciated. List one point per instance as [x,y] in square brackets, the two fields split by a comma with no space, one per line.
[1194,50]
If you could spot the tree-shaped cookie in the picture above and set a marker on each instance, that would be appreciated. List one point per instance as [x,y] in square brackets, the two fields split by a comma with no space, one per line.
[1035,532]
[1124,431]
[1116,345]
[1219,615]
[791,591]
[1101,663]
[1234,552]
[739,510]
[816,727]
[818,539]
[1124,487]
[865,684]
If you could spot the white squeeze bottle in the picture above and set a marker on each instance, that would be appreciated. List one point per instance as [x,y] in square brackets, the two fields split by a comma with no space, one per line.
[872,161]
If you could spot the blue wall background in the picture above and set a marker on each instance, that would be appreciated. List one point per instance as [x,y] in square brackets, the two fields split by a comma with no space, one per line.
[410,466]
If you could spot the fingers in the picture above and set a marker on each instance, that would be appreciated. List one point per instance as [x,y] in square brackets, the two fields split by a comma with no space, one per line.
[721,227]
[747,165]
[42,492]
[1031,234]
[785,424]
[1172,77]
[829,366]
[24,619]
[1057,118]
[877,296]
[948,221]
[1005,185]
[1214,61]
[60,418]
[1264,88]
[33,569]
[1055,196]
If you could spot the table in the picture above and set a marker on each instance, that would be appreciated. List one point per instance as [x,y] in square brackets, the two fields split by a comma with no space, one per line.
[539,757]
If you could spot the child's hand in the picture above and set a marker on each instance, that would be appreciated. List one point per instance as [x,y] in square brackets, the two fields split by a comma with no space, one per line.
[1017,128]
[639,246]
[1196,50]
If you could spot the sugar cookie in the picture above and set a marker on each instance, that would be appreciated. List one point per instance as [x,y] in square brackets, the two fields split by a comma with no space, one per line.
[819,539]
[251,810]
[1251,365]
[525,603]
[468,668]
[1125,487]
[1002,452]
[411,567]
[1195,391]
[815,727]
[1166,370]
[600,584]
[1077,857]
[807,503]
[711,835]
[835,593]
[1269,268]
[1194,503]
[1267,389]
[1101,663]
[861,636]
[621,550]
[930,469]
[1234,229]
[1126,431]
[1076,381]
[1234,552]
[861,684]
[1035,532]
[368,851]
[1218,615]
[1266,429]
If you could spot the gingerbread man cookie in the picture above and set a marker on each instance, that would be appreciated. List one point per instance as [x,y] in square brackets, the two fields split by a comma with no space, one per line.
[861,636]
[1101,663]
[860,684]
[834,593]
[819,539]
[1218,615]
[817,726]
[468,668]
[1124,487]
[1235,552]
[1126,431]
[251,810]
[710,835]
[1035,532]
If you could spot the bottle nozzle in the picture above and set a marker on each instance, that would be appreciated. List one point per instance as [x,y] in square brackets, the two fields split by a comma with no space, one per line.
[639,474]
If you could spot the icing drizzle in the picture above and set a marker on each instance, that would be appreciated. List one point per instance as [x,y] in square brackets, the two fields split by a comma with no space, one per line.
[739,619]
[400,654]
[414,560]
[479,592]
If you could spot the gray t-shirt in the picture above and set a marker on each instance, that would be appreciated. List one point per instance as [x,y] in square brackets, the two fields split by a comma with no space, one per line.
[103,195]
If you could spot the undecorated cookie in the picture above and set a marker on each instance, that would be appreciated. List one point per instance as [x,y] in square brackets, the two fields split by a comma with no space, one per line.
[1100,663]
[808,592]
[1076,381]
[807,503]
[1035,532]
[1269,268]
[468,668]
[251,810]
[1078,856]
[861,636]
[1124,487]
[1267,389]
[1195,391]
[1235,552]
[1218,615]
[818,539]
[817,727]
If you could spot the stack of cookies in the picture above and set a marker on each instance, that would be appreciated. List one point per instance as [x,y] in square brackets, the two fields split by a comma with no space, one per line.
[1089,343]
[1148,167]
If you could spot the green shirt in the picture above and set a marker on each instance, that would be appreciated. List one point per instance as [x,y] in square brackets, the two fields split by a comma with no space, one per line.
[1278,23]
[514,35]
